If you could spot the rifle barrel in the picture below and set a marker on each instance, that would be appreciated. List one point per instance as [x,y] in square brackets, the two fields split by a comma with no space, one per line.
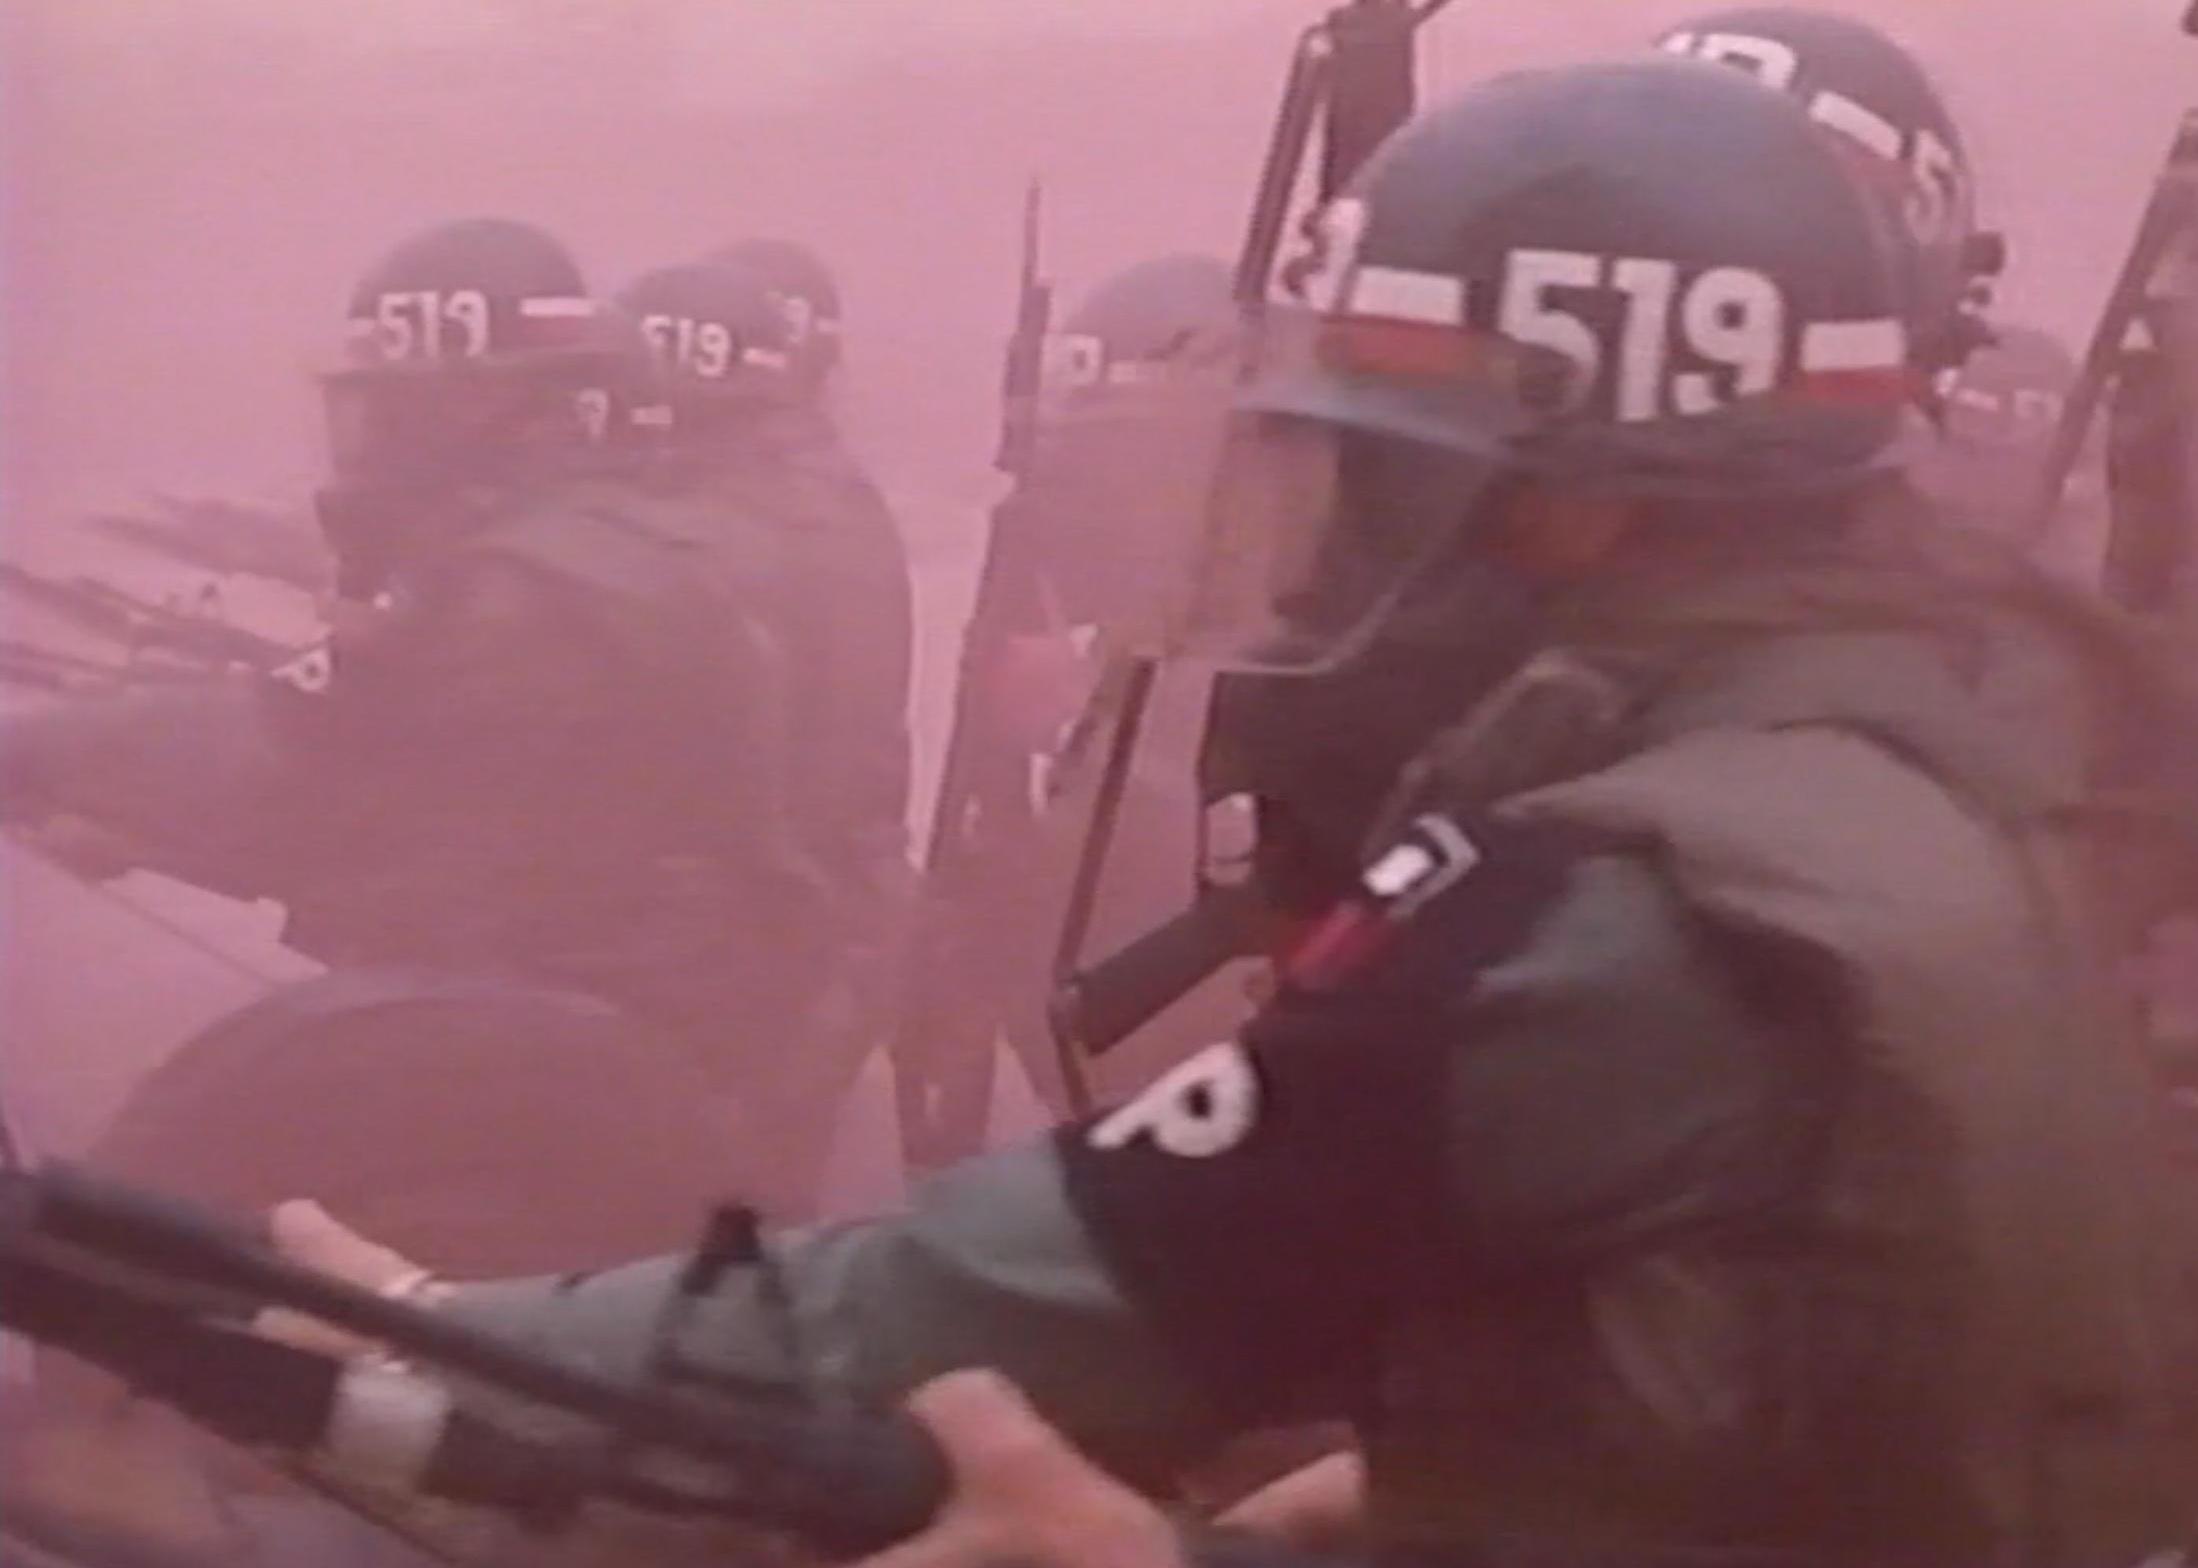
[2172,208]
[1303,91]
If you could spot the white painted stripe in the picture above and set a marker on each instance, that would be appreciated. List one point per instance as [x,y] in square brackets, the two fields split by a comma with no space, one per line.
[1854,345]
[384,1423]
[1769,61]
[1456,856]
[1403,295]
[1457,849]
[1070,360]
[1396,871]
[557,307]
[1872,130]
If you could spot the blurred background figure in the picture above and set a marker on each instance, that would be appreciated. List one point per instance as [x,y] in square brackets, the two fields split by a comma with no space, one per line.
[517,802]
[801,288]
[1982,462]
[816,563]
[1875,97]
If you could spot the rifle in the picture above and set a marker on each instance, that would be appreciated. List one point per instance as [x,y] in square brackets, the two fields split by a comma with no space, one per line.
[116,616]
[220,537]
[978,788]
[39,668]
[2145,547]
[1351,76]
[165,1295]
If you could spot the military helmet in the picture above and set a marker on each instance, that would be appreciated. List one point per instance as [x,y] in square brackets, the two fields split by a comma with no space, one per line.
[479,291]
[806,294]
[1982,462]
[1168,310]
[1109,416]
[1643,274]
[2010,394]
[1881,105]
[469,343]
[716,334]
[1647,278]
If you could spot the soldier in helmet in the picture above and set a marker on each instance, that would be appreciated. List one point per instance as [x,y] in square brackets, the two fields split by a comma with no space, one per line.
[1992,392]
[538,752]
[803,291]
[1884,112]
[820,564]
[1696,1131]
[860,689]
[1880,112]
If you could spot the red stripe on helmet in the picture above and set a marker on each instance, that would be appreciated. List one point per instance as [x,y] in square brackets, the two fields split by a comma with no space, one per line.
[1381,345]
[1880,386]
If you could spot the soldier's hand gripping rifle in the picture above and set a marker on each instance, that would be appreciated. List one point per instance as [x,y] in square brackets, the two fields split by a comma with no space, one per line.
[1351,78]
[166,1296]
